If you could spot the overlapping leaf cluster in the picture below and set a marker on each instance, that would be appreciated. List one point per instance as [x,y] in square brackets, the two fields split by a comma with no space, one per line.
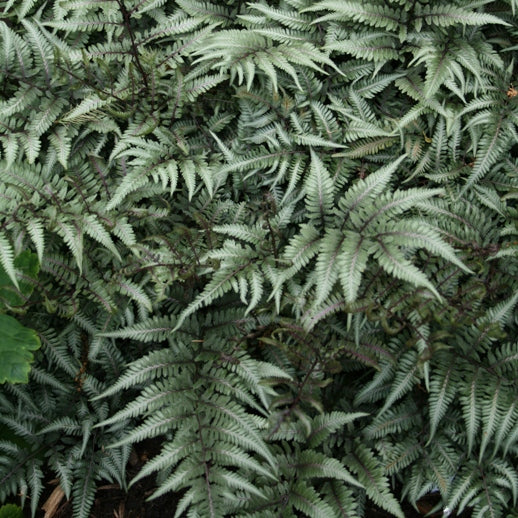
[297,223]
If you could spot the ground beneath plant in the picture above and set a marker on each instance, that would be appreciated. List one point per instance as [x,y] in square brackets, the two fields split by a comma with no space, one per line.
[113,502]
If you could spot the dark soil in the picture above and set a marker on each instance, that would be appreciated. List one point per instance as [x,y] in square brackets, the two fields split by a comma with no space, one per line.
[113,502]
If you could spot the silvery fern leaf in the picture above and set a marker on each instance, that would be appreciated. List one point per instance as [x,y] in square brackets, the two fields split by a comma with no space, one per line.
[319,190]
[446,15]
[165,173]
[418,234]
[394,262]
[363,462]
[291,19]
[352,262]
[369,14]
[134,292]
[377,47]
[442,392]
[94,228]
[366,190]
[7,258]
[327,264]
[73,237]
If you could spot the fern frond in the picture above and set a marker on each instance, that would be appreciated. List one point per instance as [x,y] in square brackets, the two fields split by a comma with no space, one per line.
[85,487]
[404,379]
[353,258]
[490,148]
[7,259]
[325,424]
[221,283]
[20,102]
[396,420]
[393,261]
[370,473]
[372,47]
[340,499]
[367,189]
[370,14]
[446,15]
[471,408]
[491,416]
[291,19]
[94,228]
[442,393]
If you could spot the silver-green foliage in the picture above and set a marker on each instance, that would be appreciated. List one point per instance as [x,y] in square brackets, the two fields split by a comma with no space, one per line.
[295,221]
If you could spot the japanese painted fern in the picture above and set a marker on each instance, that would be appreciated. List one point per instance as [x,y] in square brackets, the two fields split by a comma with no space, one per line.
[280,238]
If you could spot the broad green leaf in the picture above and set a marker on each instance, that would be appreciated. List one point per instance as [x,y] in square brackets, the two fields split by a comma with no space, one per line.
[16,345]
[27,266]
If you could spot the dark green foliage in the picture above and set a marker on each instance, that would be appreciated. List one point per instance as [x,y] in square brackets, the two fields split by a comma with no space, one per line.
[279,236]
[11,511]
[17,340]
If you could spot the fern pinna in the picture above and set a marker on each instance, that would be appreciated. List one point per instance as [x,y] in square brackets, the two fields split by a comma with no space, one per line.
[280,238]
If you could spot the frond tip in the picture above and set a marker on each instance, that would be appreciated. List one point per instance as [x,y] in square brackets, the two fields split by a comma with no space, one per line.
[7,258]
